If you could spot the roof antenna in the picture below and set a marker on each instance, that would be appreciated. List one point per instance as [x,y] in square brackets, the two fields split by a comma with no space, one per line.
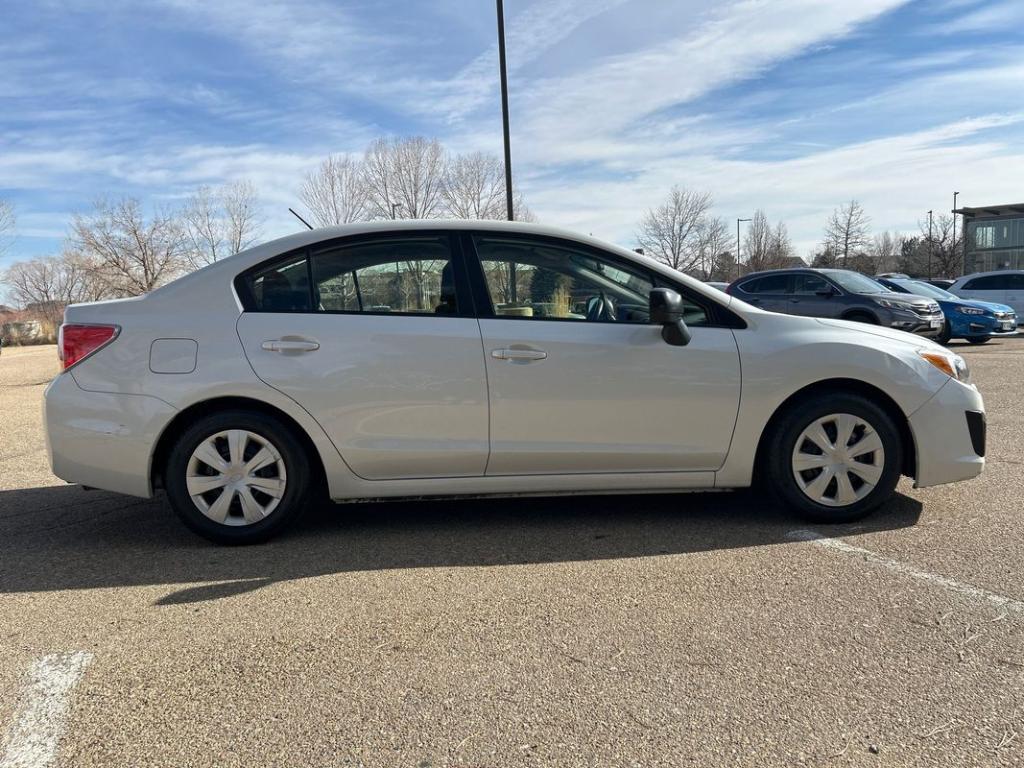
[293,213]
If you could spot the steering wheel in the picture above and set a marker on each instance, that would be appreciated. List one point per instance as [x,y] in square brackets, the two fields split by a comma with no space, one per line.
[600,307]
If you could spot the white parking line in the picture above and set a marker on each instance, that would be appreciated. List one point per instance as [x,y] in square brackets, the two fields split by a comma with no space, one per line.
[42,710]
[838,545]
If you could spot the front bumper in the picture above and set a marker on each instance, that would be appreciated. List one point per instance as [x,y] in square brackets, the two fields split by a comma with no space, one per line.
[100,439]
[946,438]
[964,326]
[923,325]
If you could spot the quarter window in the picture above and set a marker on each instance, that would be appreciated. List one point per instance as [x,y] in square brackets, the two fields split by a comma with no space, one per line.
[283,287]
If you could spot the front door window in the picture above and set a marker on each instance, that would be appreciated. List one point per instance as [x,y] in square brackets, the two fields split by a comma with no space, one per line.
[540,280]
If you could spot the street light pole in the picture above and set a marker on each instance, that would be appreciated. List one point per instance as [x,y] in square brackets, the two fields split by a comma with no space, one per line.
[504,110]
[394,208]
[738,245]
[952,245]
[930,245]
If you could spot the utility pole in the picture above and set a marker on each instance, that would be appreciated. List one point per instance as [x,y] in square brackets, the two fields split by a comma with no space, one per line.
[738,245]
[394,209]
[930,245]
[504,110]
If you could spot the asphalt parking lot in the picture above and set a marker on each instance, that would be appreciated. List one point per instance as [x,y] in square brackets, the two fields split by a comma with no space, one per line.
[703,629]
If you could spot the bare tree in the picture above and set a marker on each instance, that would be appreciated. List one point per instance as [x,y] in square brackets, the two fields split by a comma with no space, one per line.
[767,247]
[130,254]
[6,224]
[782,250]
[712,249]
[336,192]
[847,230]
[220,222]
[936,256]
[758,242]
[885,251]
[474,187]
[405,178]
[47,284]
[670,233]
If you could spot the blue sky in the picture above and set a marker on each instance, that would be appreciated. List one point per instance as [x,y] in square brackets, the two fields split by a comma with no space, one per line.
[793,106]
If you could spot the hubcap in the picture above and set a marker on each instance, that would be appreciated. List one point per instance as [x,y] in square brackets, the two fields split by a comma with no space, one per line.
[838,460]
[236,477]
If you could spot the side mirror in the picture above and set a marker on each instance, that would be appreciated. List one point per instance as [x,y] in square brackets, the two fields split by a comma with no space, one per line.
[666,308]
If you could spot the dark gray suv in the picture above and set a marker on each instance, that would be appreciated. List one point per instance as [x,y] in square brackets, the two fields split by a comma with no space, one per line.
[838,293]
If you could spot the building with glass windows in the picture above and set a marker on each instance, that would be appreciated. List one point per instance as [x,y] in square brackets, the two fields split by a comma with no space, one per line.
[993,237]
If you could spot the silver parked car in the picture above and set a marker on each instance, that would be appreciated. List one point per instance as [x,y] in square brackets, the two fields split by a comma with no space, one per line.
[402,360]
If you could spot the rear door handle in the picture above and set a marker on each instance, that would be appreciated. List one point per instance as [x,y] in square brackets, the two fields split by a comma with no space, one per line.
[522,355]
[290,345]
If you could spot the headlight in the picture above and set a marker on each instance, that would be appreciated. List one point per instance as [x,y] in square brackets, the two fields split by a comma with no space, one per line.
[948,363]
[891,304]
[970,310]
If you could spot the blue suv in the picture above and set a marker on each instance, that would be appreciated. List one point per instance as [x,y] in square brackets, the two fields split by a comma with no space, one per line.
[976,321]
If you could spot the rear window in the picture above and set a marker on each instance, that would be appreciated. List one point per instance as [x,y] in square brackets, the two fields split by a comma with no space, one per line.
[767,284]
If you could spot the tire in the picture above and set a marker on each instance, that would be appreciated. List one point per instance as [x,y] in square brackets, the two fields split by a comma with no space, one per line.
[862,317]
[979,339]
[946,334]
[824,503]
[257,508]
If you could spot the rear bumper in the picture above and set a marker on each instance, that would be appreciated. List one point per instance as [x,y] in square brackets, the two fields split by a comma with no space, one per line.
[950,446]
[102,440]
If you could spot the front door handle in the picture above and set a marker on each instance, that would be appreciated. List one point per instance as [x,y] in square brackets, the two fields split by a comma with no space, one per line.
[520,355]
[290,345]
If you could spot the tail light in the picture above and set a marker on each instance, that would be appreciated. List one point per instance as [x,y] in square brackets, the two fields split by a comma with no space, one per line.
[77,342]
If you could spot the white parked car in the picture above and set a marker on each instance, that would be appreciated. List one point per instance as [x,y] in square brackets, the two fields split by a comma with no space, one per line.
[390,360]
[1003,287]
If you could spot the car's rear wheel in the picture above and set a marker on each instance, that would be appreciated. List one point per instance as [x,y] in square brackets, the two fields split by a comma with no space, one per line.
[237,477]
[978,339]
[834,458]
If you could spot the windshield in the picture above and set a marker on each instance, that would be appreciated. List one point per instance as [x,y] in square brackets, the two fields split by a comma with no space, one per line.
[854,282]
[922,288]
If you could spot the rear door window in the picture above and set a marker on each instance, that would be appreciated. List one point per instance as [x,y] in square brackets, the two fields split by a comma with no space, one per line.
[409,275]
[766,284]
[395,276]
[988,283]
[810,285]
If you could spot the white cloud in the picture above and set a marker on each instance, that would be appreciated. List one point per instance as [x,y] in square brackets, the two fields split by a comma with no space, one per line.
[896,178]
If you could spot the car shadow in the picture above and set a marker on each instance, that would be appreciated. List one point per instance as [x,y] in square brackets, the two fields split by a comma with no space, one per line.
[66,538]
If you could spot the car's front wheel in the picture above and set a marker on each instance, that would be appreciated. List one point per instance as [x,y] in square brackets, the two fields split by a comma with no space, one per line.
[978,339]
[834,458]
[237,477]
